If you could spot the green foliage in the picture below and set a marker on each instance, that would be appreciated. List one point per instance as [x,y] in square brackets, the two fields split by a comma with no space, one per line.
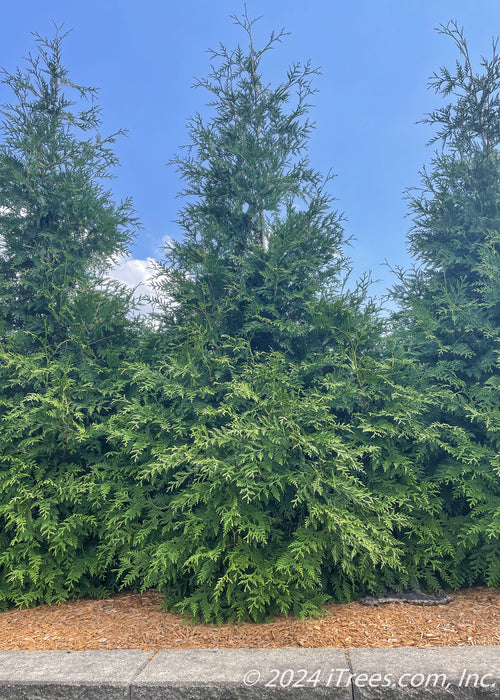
[63,333]
[57,222]
[50,410]
[263,489]
[266,445]
[261,241]
[269,448]
[450,307]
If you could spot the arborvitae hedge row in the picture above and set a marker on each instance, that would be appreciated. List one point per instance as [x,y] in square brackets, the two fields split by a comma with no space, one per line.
[270,443]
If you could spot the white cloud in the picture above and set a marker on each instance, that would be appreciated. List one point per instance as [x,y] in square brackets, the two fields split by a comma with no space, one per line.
[134,272]
[165,242]
[138,275]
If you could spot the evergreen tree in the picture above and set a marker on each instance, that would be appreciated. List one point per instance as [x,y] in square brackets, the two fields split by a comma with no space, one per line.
[264,458]
[63,330]
[450,308]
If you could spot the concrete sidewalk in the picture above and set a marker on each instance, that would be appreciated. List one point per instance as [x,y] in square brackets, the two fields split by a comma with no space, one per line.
[458,672]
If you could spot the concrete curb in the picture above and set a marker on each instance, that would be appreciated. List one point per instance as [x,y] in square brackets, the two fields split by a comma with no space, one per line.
[404,672]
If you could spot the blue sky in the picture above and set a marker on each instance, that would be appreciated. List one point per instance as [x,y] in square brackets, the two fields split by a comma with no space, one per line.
[375,57]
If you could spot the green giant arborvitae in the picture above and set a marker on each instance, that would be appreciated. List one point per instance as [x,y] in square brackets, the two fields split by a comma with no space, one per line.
[269,444]
[63,330]
[449,316]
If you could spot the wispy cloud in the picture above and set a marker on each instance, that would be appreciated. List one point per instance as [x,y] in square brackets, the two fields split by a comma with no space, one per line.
[138,275]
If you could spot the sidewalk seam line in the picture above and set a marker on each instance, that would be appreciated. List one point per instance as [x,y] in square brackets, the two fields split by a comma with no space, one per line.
[138,672]
[346,652]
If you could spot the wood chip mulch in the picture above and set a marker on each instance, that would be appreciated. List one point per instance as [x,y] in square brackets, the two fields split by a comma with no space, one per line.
[134,621]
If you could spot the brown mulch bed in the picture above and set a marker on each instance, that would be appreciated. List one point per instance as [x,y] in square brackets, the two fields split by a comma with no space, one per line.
[134,621]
